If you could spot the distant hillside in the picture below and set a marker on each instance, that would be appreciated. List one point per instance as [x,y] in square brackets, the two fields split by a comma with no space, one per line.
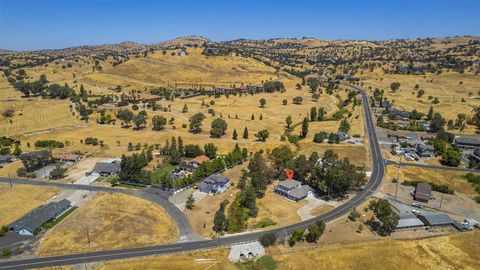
[183,41]
[194,68]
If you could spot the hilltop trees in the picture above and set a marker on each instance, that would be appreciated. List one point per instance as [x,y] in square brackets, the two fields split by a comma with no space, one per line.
[219,126]
[196,120]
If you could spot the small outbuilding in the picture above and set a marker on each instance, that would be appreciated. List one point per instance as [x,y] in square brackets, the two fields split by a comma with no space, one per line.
[423,192]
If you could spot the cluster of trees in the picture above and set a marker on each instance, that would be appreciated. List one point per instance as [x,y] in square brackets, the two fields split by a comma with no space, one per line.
[451,156]
[207,168]
[386,219]
[132,167]
[6,144]
[312,235]
[49,144]
[317,115]
[36,160]
[321,136]
[273,86]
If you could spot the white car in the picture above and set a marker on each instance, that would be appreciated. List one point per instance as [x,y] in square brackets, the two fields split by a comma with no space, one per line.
[409,157]
[416,204]
[416,212]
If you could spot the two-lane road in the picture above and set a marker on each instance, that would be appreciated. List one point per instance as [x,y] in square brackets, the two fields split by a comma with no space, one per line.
[378,170]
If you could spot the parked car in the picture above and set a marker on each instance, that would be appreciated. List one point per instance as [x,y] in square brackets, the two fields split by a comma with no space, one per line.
[416,204]
[408,157]
[416,212]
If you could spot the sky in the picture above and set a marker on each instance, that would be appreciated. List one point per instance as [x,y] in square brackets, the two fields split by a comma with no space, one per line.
[53,24]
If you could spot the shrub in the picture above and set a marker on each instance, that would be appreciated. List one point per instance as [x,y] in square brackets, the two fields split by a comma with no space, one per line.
[268,239]
[354,215]
[91,140]
[49,144]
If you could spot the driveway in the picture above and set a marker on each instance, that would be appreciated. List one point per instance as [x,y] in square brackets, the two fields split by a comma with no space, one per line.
[313,202]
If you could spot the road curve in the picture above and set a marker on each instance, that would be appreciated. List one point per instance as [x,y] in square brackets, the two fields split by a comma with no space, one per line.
[177,215]
[378,171]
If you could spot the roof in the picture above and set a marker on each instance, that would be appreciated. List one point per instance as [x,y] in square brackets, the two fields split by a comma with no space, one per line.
[425,147]
[185,166]
[67,156]
[423,191]
[435,219]
[300,192]
[289,184]
[4,158]
[408,220]
[37,217]
[106,167]
[200,159]
[467,140]
[216,179]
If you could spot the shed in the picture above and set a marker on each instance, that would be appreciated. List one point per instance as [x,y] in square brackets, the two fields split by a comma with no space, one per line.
[423,192]
[435,219]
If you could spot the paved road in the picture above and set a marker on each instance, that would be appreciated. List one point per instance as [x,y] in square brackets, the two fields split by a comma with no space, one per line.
[378,170]
[153,195]
[435,167]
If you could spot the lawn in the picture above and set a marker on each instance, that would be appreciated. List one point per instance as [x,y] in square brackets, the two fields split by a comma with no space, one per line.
[114,221]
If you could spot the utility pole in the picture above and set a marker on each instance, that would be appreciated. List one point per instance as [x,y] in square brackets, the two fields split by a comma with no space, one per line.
[441,200]
[398,178]
[88,241]
[10,180]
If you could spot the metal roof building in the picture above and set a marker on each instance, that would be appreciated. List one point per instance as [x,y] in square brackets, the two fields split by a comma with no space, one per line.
[409,220]
[435,219]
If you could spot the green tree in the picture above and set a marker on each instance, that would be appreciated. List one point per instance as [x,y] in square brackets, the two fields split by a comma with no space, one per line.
[437,123]
[245,133]
[185,108]
[451,157]
[321,114]
[234,134]
[139,120]
[344,125]
[210,150]
[304,132]
[158,122]
[262,135]
[288,121]
[282,158]
[196,120]
[430,114]
[220,222]
[125,115]
[394,86]
[263,102]
[190,203]
[313,114]
[219,126]
[460,122]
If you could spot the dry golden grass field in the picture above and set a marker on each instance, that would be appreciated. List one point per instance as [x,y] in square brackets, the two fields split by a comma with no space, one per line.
[452,179]
[277,208]
[36,116]
[114,221]
[18,200]
[456,251]
[273,114]
[450,88]
[160,69]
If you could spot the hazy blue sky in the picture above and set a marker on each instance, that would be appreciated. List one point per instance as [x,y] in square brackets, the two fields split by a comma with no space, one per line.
[40,24]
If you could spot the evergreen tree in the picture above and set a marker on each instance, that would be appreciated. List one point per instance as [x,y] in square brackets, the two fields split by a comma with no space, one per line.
[245,133]
[313,114]
[430,114]
[288,121]
[304,128]
[252,117]
[234,135]
[189,204]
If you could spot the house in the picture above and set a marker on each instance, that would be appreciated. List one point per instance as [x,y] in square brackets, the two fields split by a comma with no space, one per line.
[32,222]
[425,150]
[146,97]
[401,123]
[215,183]
[399,114]
[187,168]
[6,159]
[106,169]
[466,142]
[423,192]
[475,155]
[293,190]
[67,157]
